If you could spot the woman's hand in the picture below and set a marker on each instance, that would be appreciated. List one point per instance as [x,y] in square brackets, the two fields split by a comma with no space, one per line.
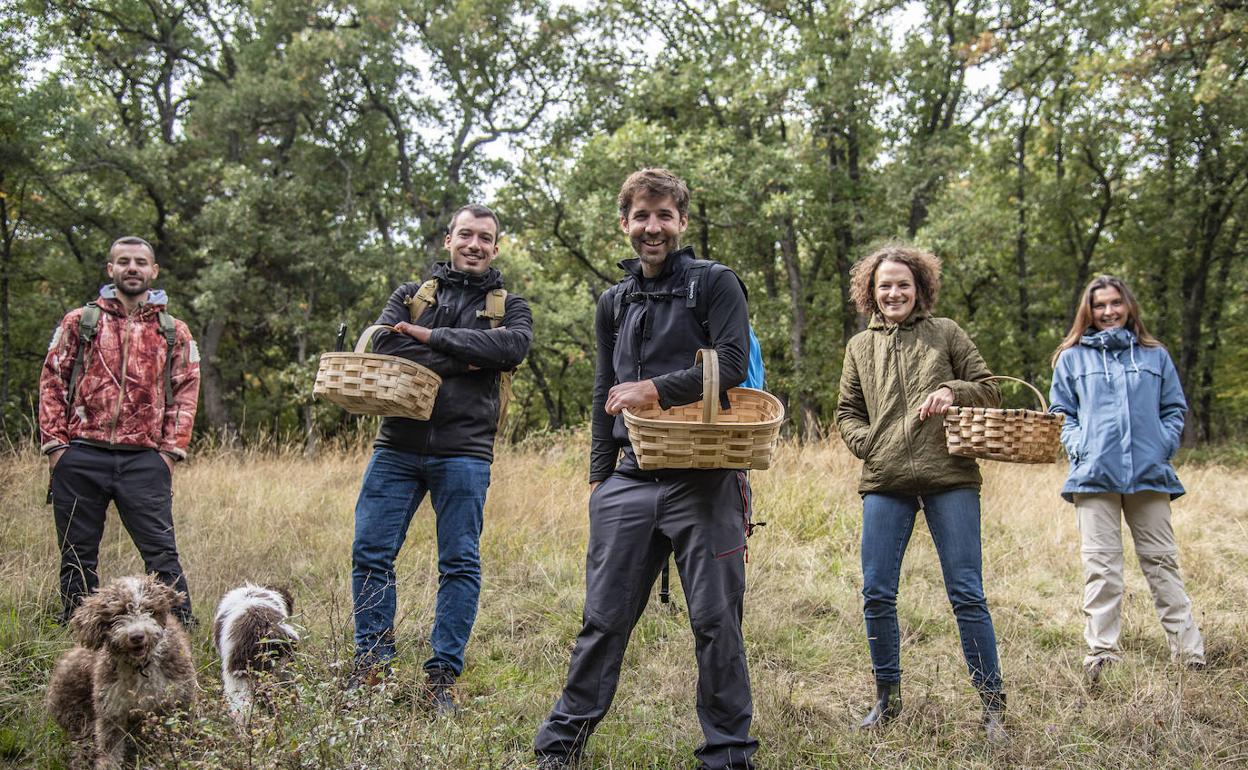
[937,402]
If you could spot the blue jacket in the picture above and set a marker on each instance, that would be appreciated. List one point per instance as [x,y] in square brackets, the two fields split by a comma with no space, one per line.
[1124,415]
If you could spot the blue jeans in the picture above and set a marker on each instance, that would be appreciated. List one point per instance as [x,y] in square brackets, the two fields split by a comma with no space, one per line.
[953,519]
[394,485]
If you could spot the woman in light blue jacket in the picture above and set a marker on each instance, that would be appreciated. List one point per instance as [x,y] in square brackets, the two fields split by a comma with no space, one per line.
[1124,412]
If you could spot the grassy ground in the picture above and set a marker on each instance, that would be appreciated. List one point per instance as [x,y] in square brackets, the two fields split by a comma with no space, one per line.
[278,517]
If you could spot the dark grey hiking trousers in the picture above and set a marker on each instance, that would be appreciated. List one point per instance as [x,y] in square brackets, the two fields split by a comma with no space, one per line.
[634,524]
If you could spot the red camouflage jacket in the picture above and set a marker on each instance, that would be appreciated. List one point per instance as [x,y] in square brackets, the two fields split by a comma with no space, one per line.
[120,399]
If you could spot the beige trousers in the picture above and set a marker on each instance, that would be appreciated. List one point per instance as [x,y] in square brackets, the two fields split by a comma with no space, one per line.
[1100,527]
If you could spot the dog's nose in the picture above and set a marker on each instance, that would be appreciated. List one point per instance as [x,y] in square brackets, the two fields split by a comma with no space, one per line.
[137,638]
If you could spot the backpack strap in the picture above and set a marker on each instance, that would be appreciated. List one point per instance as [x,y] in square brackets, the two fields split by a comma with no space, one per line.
[88,325]
[424,298]
[495,309]
[170,332]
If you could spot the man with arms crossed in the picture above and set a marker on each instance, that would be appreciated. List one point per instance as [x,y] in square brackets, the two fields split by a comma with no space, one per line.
[646,345]
[447,456]
[117,398]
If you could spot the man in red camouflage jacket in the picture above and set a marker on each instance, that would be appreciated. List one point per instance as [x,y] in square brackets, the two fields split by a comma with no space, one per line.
[113,431]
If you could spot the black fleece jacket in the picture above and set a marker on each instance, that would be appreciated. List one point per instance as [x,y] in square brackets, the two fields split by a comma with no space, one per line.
[465,413]
[658,340]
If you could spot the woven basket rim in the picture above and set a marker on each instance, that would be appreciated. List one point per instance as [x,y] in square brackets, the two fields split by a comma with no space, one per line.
[337,354]
[649,422]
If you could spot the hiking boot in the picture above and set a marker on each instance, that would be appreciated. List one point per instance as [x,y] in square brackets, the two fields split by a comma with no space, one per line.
[887,706]
[1094,668]
[440,691]
[368,672]
[994,717]
[555,762]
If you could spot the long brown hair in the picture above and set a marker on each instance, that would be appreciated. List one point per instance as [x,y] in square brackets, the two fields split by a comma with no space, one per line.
[1083,316]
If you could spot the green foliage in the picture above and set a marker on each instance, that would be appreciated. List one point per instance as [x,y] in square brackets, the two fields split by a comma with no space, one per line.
[294,162]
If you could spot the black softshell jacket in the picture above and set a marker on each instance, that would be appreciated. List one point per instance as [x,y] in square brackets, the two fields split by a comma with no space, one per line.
[465,414]
[658,339]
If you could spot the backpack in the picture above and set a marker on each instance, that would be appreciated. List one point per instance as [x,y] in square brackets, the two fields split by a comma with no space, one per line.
[755,375]
[89,324]
[495,308]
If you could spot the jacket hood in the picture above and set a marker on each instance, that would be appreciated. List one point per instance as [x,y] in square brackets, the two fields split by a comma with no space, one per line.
[1118,338]
[671,263]
[488,281]
[155,297]
[879,323]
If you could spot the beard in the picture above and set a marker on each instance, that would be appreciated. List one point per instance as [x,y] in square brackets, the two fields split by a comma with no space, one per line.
[133,287]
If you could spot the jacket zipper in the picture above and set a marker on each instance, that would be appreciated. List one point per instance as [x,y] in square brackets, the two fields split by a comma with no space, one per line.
[905,404]
[121,393]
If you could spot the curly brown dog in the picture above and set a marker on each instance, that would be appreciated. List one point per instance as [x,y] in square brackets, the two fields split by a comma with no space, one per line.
[132,660]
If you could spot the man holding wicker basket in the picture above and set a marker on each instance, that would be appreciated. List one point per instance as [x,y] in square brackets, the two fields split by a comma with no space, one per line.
[464,326]
[649,328]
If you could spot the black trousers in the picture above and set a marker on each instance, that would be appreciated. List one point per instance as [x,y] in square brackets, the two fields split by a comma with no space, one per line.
[634,524]
[85,480]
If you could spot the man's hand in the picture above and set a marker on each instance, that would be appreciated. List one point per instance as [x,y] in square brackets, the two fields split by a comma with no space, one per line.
[937,402]
[415,331]
[593,486]
[168,461]
[631,394]
[54,457]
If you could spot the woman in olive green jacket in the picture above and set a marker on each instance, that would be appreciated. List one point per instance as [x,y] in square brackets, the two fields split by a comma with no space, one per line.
[899,377]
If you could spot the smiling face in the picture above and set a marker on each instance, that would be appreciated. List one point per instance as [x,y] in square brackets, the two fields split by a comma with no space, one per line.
[472,242]
[654,225]
[1109,309]
[132,266]
[894,291]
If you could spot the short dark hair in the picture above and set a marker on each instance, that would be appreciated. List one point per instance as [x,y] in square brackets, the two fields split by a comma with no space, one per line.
[476,210]
[130,240]
[657,182]
[924,265]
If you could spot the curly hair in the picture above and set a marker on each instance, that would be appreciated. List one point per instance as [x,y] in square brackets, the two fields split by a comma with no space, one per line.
[923,264]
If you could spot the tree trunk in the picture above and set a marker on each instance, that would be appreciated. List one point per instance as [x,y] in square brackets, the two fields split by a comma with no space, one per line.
[215,412]
[1204,410]
[807,419]
[1020,250]
[301,355]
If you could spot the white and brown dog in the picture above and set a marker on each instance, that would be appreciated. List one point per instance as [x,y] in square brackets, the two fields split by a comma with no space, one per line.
[133,660]
[253,637]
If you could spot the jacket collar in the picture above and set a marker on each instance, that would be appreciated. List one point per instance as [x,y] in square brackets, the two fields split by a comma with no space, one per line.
[156,300]
[878,323]
[673,263]
[488,281]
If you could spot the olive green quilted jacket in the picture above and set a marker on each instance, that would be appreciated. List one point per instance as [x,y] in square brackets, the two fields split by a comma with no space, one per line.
[889,371]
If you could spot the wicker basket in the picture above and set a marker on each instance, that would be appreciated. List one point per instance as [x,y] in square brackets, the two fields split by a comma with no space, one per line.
[370,383]
[698,435]
[1010,435]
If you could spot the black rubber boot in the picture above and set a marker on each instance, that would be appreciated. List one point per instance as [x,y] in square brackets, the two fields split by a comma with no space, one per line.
[994,717]
[887,706]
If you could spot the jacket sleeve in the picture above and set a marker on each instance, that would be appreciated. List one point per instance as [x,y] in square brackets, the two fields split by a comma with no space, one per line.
[501,348]
[396,344]
[852,419]
[1063,399]
[603,451]
[1173,405]
[179,416]
[729,320]
[54,384]
[971,386]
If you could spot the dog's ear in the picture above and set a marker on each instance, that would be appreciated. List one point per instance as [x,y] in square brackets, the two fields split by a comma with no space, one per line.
[90,622]
[287,597]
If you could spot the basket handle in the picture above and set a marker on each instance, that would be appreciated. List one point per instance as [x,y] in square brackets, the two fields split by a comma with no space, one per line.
[1044,405]
[710,383]
[366,336]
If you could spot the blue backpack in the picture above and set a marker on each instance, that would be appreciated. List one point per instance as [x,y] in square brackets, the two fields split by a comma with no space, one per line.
[755,375]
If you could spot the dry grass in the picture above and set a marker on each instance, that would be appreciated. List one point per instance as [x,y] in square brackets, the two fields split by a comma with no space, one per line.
[278,517]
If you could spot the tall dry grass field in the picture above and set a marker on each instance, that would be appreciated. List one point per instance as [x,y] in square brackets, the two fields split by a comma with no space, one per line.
[279,517]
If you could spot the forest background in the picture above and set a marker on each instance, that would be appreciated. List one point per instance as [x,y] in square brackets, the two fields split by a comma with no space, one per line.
[293,162]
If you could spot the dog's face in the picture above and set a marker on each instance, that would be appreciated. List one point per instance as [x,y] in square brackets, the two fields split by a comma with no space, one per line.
[127,616]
